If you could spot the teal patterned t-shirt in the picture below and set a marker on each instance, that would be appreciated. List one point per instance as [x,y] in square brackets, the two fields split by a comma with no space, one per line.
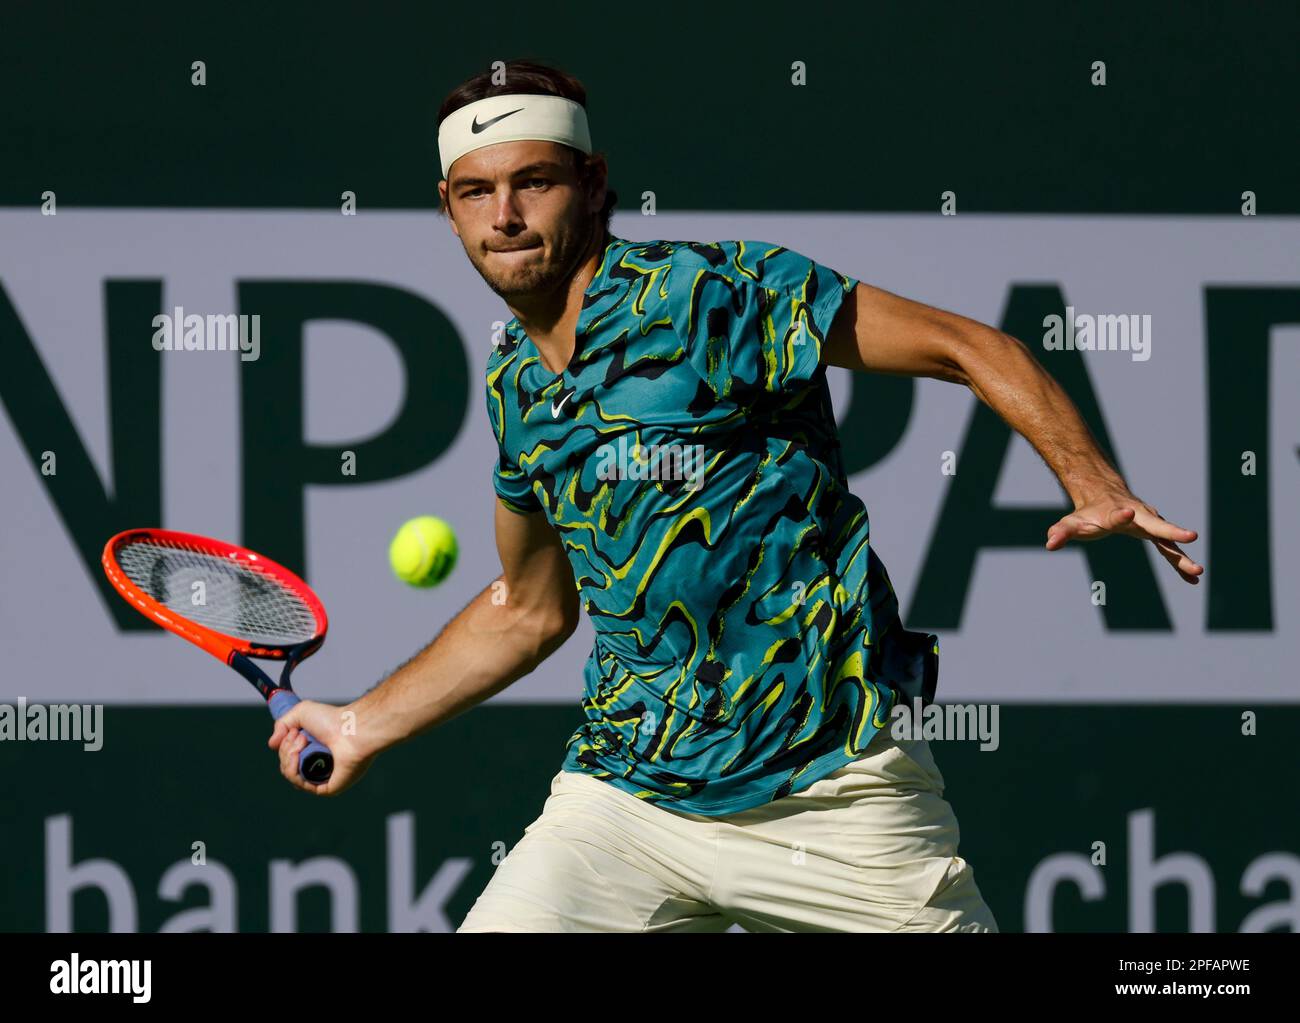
[747,637]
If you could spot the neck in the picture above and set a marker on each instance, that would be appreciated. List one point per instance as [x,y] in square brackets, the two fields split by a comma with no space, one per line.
[553,321]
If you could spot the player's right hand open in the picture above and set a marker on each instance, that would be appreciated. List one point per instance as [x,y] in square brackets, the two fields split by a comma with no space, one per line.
[327,723]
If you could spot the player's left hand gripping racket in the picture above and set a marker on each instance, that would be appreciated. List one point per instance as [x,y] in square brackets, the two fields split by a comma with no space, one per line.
[247,606]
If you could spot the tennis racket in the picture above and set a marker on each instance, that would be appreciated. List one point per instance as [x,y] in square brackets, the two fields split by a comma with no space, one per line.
[233,603]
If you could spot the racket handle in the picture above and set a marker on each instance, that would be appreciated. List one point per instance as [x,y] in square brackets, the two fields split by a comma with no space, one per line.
[315,762]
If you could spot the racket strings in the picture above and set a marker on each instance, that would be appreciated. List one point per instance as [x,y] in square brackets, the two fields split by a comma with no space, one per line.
[235,598]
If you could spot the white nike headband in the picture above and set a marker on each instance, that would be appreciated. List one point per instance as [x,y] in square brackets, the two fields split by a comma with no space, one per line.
[511,118]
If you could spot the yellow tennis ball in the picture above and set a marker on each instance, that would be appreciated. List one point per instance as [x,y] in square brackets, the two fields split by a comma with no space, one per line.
[423,552]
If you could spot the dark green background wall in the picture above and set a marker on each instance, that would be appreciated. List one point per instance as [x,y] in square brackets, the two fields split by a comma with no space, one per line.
[692,101]
[1063,778]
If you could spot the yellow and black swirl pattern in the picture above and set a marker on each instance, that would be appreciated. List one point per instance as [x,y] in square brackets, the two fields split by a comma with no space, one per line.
[747,637]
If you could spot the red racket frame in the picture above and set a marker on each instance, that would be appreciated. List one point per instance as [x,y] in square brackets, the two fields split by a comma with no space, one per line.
[218,644]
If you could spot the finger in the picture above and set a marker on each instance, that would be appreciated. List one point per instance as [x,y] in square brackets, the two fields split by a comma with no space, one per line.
[1061,532]
[1118,518]
[295,748]
[283,752]
[289,759]
[277,735]
[1187,569]
[1185,566]
[1072,527]
[1157,528]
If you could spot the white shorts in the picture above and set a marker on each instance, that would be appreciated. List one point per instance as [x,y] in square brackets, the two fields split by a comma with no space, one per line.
[871,847]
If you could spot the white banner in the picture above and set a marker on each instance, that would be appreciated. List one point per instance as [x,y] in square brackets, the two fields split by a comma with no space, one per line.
[1029,629]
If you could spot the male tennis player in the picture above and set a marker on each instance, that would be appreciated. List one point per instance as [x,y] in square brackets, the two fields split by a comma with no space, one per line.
[668,462]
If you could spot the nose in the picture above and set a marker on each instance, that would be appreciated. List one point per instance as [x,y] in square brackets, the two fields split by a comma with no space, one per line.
[508,219]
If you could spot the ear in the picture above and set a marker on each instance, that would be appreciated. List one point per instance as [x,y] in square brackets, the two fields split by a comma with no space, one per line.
[445,199]
[597,181]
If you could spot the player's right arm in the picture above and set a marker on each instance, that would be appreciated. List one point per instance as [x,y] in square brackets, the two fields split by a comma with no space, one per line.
[505,632]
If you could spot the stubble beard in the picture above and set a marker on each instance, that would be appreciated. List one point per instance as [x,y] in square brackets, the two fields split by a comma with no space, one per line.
[569,249]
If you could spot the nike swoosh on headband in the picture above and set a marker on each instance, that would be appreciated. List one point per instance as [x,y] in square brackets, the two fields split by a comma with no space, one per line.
[475,127]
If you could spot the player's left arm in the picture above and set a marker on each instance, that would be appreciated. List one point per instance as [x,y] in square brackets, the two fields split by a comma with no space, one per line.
[880,332]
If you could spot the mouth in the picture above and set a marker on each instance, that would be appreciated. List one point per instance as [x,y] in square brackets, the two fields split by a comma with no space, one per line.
[521,248]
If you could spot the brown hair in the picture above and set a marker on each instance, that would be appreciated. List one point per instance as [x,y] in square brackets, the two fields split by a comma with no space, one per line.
[530,78]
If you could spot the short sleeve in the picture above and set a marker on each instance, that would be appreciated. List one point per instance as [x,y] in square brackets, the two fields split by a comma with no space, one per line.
[752,315]
[512,487]
[509,481]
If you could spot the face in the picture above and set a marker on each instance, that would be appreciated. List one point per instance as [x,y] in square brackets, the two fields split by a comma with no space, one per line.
[522,215]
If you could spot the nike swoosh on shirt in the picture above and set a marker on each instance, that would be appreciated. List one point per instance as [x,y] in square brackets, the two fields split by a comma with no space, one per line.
[475,127]
[555,409]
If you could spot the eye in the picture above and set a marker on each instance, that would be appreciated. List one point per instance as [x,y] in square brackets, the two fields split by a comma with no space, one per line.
[534,181]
